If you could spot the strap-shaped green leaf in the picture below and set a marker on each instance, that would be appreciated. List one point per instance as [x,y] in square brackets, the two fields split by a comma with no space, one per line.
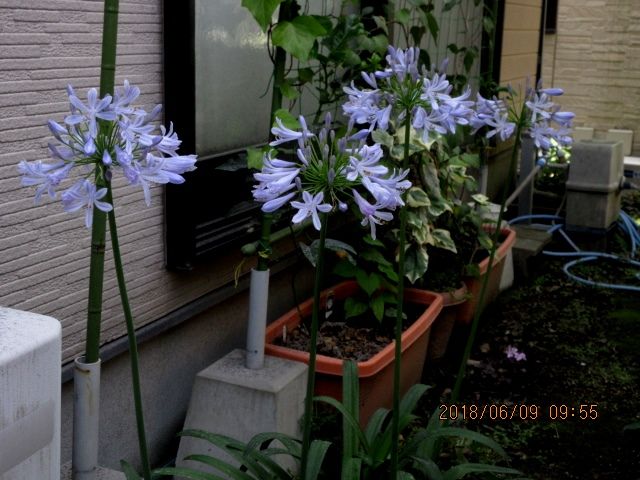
[374,427]
[260,465]
[471,436]
[317,451]
[184,473]
[351,469]
[292,445]
[351,401]
[459,471]
[355,425]
[220,465]
[428,468]
[129,472]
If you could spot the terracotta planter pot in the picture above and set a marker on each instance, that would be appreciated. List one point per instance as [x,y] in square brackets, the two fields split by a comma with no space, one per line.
[474,284]
[441,330]
[376,374]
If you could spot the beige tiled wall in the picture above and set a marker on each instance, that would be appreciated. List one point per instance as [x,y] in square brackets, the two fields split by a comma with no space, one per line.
[520,41]
[44,251]
[595,58]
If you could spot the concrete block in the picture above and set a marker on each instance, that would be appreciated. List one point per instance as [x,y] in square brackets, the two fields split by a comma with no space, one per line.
[593,186]
[30,358]
[232,400]
[101,474]
[582,133]
[624,136]
[530,241]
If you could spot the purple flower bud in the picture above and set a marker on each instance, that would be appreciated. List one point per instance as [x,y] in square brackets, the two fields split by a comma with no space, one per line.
[89,147]
[331,175]
[106,158]
[325,152]
[552,92]
[56,129]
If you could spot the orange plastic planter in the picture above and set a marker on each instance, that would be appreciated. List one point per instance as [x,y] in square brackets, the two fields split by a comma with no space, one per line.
[474,284]
[452,302]
[376,374]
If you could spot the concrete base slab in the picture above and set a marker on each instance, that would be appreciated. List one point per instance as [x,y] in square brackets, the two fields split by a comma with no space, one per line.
[232,400]
[101,474]
[530,242]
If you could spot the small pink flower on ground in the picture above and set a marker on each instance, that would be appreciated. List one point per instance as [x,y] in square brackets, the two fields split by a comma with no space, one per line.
[513,353]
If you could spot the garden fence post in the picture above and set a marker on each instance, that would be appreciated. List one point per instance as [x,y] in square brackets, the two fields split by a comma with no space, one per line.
[527,164]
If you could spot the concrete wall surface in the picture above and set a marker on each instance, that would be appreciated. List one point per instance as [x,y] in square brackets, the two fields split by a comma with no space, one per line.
[520,42]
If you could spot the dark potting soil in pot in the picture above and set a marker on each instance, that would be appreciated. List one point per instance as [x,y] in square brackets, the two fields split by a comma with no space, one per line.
[356,339]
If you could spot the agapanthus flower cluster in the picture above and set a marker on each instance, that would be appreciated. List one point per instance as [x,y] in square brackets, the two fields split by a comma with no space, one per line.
[494,114]
[402,87]
[547,124]
[543,121]
[327,173]
[102,136]
[427,95]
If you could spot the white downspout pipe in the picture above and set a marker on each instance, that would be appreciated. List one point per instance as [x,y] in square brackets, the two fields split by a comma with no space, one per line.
[86,417]
[257,324]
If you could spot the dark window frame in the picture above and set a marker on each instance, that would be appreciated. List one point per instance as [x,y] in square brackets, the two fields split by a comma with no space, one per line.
[550,16]
[210,212]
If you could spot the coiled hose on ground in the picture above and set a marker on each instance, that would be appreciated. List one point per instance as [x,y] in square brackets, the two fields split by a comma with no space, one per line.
[625,223]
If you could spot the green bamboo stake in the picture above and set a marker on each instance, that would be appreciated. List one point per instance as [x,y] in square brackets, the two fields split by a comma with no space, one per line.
[109,44]
[308,401]
[395,420]
[96,278]
[99,224]
[455,394]
[131,335]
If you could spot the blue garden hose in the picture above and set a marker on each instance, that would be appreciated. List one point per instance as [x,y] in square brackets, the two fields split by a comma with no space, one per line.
[626,224]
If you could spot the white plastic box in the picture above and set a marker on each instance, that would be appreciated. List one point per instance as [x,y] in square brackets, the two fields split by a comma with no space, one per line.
[30,350]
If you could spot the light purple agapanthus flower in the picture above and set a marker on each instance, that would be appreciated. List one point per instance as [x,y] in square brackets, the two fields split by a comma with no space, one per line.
[494,114]
[326,174]
[309,207]
[547,124]
[434,110]
[83,194]
[514,354]
[145,153]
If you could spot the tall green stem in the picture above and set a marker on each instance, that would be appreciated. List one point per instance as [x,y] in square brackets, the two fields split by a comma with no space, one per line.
[455,394]
[395,420]
[279,67]
[131,334]
[311,374]
[99,225]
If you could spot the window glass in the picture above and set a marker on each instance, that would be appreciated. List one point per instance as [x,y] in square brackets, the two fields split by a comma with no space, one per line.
[232,75]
